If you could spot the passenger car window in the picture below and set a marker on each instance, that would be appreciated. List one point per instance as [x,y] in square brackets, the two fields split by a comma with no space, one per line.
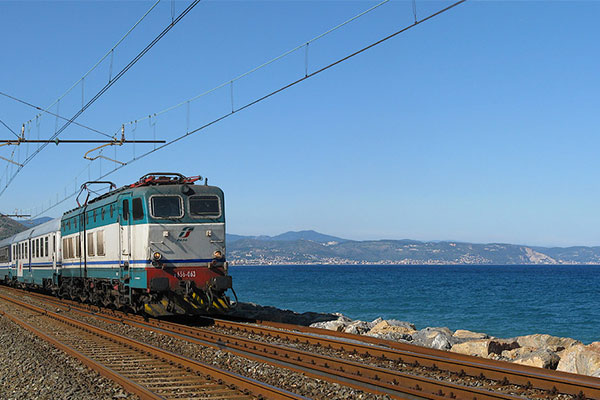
[100,242]
[166,207]
[204,206]
[90,244]
[138,209]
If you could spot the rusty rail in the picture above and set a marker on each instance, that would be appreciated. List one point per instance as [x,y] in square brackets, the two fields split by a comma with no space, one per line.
[548,380]
[554,381]
[178,373]
[359,376]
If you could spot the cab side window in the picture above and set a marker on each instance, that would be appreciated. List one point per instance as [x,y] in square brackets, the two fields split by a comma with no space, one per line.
[138,209]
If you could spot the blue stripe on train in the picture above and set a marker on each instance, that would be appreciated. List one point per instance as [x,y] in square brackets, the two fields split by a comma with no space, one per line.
[118,262]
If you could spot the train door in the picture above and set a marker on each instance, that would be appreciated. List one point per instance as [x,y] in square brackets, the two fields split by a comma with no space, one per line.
[54,255]
[29,256]
[125,233]
[53,251]
[14,260]
[80,241]
[21,260]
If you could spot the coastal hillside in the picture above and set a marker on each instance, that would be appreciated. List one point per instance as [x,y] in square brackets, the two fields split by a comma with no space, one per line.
[258,250]
[309,235]
[9,227]
[30,223]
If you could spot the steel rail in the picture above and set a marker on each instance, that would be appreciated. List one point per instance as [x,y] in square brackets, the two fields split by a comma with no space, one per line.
[359,376]
[563,382]
[553,381]
[244,384]
[129,385]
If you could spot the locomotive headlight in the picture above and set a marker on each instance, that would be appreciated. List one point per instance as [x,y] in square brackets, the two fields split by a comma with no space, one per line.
[156,256]
[217,254]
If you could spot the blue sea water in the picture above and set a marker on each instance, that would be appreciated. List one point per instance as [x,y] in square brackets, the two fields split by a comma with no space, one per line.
[503,301]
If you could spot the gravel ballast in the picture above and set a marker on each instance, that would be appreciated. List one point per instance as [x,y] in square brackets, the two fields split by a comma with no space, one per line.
[279,377]
[31,368]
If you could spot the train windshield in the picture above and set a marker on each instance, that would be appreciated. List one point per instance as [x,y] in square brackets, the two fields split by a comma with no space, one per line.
[166,207]
[204,206]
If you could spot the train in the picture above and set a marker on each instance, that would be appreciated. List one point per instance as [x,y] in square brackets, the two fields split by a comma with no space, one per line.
[154,247]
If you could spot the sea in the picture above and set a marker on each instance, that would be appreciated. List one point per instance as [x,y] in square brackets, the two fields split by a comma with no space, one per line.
[502,301]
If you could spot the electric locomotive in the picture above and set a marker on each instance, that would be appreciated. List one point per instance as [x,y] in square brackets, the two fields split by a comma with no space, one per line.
[155,247]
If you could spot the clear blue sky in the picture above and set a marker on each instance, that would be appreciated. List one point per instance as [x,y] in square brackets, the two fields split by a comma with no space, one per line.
[480,125]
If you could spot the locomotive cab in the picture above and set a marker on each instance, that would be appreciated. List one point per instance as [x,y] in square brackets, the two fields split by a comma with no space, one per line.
[156,246]
[173,245]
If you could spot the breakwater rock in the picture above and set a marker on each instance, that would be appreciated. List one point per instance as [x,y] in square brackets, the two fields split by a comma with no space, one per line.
[538,350]
[269,313]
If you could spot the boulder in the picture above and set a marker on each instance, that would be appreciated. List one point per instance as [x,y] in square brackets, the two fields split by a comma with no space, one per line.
[541,358]
[543,341]
[399,331]
[580,359]
[437,338]
[498,346]
[478,348]
[595,346]
[440,342]
[385,327]
[393,336]
[335,325]
[402,324]
[464,334]
[268,313]
[358,327]
[513,354]
[429,331]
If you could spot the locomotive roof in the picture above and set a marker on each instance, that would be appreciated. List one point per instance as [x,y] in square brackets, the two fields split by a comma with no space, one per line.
[41,229]
[109,197]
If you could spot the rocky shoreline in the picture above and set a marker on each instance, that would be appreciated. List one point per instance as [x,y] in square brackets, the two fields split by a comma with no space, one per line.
[537,350]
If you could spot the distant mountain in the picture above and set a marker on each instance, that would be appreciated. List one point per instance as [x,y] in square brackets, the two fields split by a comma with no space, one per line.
[35,222]
[232,237]
[9,227]
[308,235]
[309,247]
[291,236]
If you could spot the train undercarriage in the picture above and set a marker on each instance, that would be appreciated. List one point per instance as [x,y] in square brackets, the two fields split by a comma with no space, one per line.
[114,294]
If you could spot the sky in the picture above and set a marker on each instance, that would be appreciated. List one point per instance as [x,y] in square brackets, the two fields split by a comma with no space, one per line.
[479,125]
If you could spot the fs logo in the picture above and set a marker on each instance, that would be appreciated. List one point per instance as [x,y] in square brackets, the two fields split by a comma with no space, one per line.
[185,233]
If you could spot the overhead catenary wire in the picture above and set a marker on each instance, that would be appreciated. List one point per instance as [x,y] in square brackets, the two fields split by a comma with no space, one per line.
[9,128]
[70,141]
[103,90]
[109,52]
[53,114]
[306,43]
[274,92]
[265,64]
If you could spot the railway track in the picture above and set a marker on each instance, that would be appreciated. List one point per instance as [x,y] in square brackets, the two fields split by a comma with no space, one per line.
[369,364]
[147,371]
